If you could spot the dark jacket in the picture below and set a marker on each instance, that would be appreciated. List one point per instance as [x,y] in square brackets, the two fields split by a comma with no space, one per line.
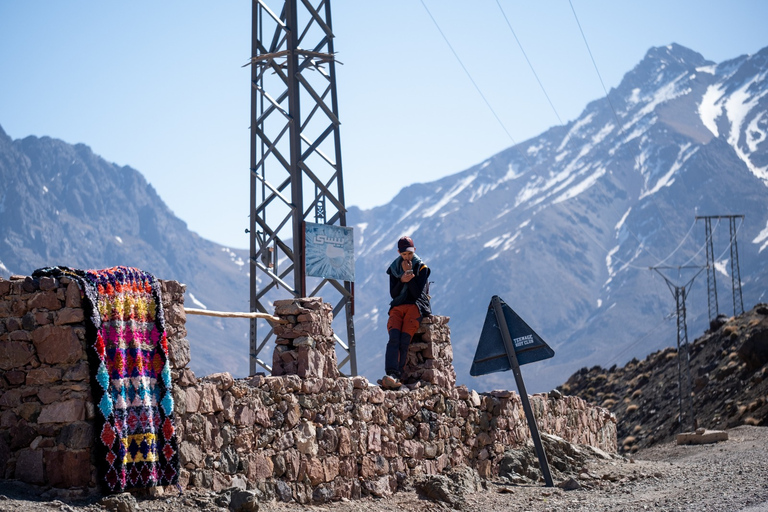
[416,291]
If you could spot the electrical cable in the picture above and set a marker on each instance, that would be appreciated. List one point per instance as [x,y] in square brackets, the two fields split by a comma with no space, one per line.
[589,235]
[595,64]
[529,62]
[615,115]
[732,238]
[678,245]
[658,326]
[487,103]
[711,234]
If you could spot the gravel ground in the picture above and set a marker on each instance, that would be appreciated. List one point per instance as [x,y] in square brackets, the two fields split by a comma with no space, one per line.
[728,476]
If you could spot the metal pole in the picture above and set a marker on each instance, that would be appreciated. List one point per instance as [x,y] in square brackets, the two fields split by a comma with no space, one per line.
[738,304]
[254,184]
[297,193]
[714,310]
[510,347]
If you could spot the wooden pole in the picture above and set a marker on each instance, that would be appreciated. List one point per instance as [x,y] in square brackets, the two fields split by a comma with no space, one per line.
[265,316]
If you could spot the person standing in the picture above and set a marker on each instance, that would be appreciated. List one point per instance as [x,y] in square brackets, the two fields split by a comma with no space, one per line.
[409,289]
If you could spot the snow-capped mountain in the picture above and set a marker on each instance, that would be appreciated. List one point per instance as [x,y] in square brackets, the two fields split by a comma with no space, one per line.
[565,226]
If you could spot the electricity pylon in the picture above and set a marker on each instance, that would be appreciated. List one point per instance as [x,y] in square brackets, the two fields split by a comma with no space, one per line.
[296,171]
[738,301]
[684,384]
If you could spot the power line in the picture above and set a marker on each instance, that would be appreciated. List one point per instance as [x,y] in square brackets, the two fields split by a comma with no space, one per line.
[678,245]
[707,241]
[595,64]
[468,74]
[641,338]
[529,62]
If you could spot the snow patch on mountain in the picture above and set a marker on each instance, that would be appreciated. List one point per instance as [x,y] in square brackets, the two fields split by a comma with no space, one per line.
[501,243]
[410,211]
[447,198]
[577,126]
[582,186]
[737,108]
[195,301]
[722,266]
[668,178]
[661,95]
[237,260]
[710,108]
[609,261]
[755,135]
[762,238]
[481,191]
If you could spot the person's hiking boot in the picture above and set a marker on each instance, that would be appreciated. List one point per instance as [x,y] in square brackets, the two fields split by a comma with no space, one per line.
[390,382]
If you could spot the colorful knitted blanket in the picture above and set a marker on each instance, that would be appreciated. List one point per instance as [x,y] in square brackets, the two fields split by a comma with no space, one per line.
[132,388]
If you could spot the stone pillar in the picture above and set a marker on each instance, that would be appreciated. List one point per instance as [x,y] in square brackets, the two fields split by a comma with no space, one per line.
[305,345]
[430,355]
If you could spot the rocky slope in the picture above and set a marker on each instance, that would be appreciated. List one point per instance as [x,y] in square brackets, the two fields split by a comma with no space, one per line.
[729,373]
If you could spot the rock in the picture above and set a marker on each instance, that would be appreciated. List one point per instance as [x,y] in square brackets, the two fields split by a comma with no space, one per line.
[378,487]
[63,412]
[124,502]
[702,436]
[569,484]
[29,466]
[754,350]
[67,468]
[57,345]
[283,491]
[15,354]
[243,501]
[440,488]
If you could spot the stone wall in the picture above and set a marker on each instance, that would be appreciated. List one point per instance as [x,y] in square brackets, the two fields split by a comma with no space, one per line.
[304,435]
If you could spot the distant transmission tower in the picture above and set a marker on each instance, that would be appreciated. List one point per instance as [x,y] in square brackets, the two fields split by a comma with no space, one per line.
[684,385]
[296,171]
[738,301]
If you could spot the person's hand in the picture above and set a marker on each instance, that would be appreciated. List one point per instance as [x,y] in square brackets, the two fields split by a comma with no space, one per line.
[407,276]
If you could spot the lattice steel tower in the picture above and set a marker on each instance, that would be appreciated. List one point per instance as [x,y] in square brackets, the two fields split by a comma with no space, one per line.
[738,300]
[684,383]
[296,172]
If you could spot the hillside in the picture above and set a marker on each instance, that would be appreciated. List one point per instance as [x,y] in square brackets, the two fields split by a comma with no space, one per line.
[729,372]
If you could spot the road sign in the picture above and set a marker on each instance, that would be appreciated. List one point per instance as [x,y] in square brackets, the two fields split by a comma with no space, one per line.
[505,342]
[491,354]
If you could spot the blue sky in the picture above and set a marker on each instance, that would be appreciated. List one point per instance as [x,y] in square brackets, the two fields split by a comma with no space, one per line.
[160,86]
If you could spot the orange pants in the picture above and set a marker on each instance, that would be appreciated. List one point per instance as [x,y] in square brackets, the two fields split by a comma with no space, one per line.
[406,318]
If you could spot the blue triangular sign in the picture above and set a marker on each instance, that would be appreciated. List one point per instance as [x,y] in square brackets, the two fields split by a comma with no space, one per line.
[491,354]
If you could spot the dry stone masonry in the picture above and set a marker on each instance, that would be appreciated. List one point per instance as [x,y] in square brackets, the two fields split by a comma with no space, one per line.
[302,434]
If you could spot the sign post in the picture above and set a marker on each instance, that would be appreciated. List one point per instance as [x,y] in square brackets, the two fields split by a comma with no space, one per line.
[497,351]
